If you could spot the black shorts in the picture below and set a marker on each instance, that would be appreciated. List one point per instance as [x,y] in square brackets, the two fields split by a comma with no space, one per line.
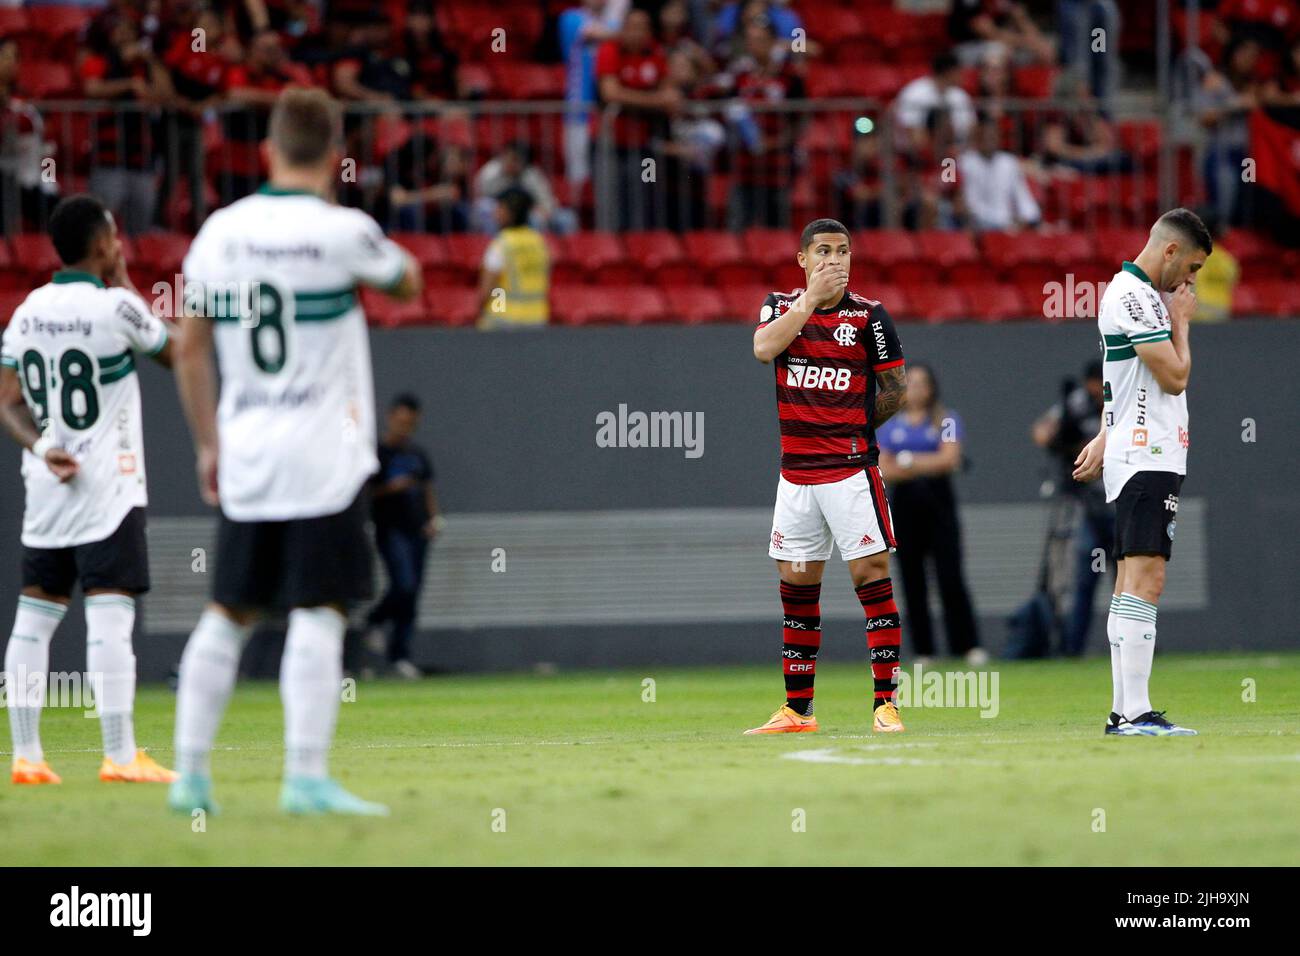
[305,562]
[120,562]
[1146,514]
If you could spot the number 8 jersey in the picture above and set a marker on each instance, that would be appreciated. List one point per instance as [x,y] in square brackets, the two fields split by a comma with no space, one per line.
[277,272]
[73,344]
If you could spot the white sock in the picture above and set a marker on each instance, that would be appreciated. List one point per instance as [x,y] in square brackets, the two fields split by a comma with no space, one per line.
[110,665]
[27,665]
[1116,668]
[207,676]
[311,678]
[1136,627]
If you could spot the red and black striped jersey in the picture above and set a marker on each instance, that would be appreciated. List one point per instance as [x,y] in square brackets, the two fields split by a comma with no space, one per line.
[826,386]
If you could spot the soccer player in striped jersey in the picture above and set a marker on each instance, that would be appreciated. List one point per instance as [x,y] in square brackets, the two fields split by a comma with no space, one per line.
[70,397]
[839,375]
[1141,451]
[289,448]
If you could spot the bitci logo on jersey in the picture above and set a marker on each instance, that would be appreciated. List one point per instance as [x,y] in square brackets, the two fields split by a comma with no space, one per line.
[814,376]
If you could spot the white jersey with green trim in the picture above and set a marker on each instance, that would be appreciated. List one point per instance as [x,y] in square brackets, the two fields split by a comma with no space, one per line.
[73,344]
[1146,427]
[278,273]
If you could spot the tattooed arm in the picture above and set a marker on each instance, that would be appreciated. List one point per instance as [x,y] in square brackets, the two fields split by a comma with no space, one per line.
[891,389]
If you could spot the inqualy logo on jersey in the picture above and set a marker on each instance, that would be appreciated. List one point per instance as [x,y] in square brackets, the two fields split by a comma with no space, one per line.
[846,334]
[815,376]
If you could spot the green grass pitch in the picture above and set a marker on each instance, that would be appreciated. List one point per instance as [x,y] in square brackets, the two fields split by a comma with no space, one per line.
[581,770]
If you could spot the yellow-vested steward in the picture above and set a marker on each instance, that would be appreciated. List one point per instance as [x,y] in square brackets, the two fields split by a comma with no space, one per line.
[519,258]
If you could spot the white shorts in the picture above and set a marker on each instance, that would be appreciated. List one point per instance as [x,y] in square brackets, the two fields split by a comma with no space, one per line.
[852,513]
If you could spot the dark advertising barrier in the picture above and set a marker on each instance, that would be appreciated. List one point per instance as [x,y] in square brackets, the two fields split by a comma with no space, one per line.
[608,490]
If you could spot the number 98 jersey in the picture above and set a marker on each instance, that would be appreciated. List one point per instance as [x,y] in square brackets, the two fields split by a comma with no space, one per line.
[72,343]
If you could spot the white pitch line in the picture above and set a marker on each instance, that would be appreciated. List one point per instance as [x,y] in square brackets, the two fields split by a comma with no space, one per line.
[834,756]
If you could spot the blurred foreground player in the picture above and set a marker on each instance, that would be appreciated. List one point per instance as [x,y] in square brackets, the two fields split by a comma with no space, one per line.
[839,375]
[1141,451]
[289,450]
[70,397]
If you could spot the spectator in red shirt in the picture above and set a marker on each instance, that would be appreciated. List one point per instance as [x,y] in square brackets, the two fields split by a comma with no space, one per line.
[123,173]
[1270,23]
[423,56]
[254,84]
[196,62]
[765,160]
[632,74]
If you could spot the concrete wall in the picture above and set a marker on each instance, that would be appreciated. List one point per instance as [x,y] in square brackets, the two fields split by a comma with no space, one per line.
[512,419]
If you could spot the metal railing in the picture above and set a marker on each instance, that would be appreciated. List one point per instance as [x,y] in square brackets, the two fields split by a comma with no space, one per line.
[717,164]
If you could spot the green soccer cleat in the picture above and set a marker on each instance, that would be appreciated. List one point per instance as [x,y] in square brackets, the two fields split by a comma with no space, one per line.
[312,795]
[190,792]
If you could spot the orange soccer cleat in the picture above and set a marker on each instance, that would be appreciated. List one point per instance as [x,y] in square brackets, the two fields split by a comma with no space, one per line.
[25,771]
[143,769]
[786,721]
[887,719]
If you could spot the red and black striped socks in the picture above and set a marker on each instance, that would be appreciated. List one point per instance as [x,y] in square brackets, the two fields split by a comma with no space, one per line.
[884,636]
[801,640]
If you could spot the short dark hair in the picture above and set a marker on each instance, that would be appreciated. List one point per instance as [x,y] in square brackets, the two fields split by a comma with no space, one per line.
[818,226]
[1190,226]
[74,226]
[518,203]
[405,400]
[305,124]
[1093,370]
[945,62]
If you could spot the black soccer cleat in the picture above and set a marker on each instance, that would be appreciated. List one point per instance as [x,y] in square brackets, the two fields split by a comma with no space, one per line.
[1113,724]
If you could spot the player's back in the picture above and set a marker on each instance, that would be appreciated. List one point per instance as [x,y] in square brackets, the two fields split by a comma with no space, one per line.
[278,272]
[73,343]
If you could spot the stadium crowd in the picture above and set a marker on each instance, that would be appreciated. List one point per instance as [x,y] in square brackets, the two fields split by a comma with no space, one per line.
[990,117]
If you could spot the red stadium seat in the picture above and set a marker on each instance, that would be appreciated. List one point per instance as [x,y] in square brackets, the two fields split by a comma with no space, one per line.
[743,303]
[996,302]
[57,21]
[1007,252]
[513,80]
[594,249]
[13,20]
[831,25]
[465,250]
[654,249]
[710,248]
[770,248]
[45,79]
[886,248]
[691,305]
[890,297]
[1120,243]
[382,311]
[1034,82]
[572,305]
[34,253]
[936,303]
[163,251]
[1275,298]
[10,299]
[633,304]
[451,305]
[946,249]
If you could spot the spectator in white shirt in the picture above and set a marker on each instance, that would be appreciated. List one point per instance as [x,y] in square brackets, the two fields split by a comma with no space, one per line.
[941,88]
[513,168]
[994,186]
